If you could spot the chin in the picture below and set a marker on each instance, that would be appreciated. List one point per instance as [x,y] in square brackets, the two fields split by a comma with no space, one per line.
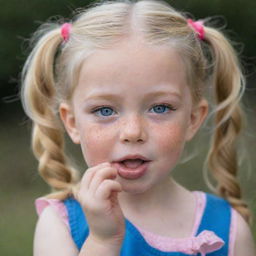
[135,189]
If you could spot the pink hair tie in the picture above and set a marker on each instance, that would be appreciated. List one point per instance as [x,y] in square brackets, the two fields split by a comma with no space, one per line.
[198,27]
[65,31]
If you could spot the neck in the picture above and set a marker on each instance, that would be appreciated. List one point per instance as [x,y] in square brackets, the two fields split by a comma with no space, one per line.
[159,199]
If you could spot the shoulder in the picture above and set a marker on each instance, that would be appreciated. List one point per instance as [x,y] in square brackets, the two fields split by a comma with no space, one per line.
[52,236]
[244,243]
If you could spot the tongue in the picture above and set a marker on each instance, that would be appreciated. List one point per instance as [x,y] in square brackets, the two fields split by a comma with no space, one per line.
[133,163]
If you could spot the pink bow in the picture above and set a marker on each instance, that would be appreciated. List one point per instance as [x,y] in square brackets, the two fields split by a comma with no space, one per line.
[205,242]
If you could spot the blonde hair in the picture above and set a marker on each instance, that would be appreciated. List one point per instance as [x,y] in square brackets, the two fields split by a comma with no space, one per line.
[51,71]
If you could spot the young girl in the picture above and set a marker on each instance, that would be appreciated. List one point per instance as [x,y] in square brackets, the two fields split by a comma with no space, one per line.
[129,81]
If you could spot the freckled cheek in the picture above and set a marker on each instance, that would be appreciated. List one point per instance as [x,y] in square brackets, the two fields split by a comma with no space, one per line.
[170,141]
[95,143]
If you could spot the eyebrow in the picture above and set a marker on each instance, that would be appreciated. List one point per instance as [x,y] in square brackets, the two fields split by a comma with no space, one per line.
[150,95]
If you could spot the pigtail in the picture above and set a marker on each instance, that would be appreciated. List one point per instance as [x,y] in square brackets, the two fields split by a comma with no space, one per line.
[39,101]
[229,86]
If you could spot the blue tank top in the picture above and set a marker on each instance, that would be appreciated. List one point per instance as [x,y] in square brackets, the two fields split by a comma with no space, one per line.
[216,218]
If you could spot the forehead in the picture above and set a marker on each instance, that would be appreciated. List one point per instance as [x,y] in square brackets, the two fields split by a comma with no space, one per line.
[132,66]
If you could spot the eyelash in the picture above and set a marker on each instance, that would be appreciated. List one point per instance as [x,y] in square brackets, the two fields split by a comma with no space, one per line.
[171,108]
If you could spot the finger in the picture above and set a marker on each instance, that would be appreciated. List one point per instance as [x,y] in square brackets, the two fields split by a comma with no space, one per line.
[89,174]
[100,176]
[106,188]
[96,169]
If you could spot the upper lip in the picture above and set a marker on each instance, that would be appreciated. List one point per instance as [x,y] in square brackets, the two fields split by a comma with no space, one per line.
[137,156]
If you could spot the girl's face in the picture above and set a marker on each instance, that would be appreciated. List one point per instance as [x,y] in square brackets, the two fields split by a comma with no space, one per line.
[133,99]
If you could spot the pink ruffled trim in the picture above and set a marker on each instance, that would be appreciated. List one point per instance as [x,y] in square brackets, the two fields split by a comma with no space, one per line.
[233,229]
[41,203]
[200,207]
[205,242]
[167,244]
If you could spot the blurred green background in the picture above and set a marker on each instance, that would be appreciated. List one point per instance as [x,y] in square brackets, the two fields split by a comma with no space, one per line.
[20,183]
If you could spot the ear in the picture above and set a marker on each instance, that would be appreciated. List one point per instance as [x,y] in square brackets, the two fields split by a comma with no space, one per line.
[68,118]
[198,115]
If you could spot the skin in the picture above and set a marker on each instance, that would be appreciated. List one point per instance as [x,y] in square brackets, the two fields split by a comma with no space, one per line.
[132,70]
[133,126]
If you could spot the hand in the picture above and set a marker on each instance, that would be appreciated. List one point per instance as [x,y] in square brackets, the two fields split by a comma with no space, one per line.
[98,197]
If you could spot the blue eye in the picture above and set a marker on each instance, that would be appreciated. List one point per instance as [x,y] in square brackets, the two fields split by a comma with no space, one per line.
[161,108]
[105,111]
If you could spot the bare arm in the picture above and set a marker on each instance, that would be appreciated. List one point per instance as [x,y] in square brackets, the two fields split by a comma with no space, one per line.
[53,238]
[244,243]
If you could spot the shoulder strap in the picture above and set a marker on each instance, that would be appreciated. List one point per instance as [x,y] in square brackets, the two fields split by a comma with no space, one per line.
[217,218]
[77,222]
[133,244]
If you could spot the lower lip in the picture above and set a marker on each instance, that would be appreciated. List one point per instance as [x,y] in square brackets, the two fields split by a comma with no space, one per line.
[131,173]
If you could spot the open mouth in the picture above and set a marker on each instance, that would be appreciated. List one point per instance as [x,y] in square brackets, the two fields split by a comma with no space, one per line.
[132,168]
[132,163]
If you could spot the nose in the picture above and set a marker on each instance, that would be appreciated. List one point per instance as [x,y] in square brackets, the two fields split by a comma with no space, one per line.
[133,130]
